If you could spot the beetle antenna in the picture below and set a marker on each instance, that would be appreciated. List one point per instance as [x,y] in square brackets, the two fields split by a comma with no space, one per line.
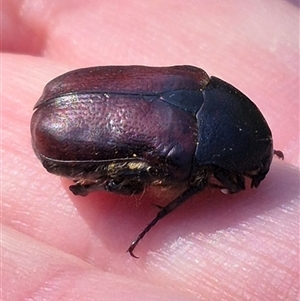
[279,154]
[162,213]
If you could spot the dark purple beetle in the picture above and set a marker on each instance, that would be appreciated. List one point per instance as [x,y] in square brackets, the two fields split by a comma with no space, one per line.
[122,128]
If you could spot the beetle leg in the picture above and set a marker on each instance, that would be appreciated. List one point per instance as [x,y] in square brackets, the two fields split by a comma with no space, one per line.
[128,187]
[85,189]
[163,212]
[232,181]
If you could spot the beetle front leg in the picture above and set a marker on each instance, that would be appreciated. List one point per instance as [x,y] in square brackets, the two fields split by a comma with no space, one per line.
[233,182]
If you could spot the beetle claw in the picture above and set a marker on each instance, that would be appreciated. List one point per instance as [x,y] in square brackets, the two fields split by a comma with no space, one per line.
[158,206]
[131,248]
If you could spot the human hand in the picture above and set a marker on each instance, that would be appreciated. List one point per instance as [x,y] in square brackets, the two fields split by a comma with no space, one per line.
[238,247]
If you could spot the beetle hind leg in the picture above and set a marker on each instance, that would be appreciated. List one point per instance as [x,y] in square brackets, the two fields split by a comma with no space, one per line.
[163,212]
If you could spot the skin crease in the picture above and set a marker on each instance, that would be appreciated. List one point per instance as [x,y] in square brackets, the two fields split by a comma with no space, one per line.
[56,246]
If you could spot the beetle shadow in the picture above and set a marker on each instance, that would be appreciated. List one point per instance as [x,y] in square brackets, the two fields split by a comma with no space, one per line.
[117,220]
[114,219]
[294,2]
[213,212]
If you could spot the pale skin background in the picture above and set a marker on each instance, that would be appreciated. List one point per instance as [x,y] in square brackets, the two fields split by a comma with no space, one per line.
[56,246]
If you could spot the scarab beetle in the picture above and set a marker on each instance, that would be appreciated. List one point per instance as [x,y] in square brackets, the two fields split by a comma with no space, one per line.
[122,128]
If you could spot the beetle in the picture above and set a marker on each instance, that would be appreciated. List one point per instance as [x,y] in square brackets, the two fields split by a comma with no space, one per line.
[123,128]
